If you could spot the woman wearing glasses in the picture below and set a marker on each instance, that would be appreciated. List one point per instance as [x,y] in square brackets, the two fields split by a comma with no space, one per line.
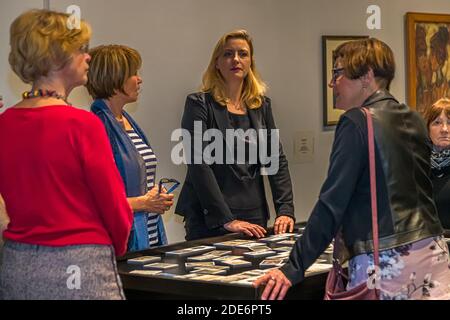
[113,82]
[413,253]
[437,118]
[67,207]
[228,196]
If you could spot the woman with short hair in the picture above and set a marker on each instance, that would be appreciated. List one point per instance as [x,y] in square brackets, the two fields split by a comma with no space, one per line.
[413,254]
[437,118]
[113,83]
[69,216]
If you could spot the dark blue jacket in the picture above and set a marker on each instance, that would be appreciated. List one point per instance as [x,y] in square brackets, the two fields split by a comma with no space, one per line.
[132,169]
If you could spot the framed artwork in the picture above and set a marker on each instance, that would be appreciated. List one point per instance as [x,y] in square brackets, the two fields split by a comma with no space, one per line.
[329,44]
[428,58]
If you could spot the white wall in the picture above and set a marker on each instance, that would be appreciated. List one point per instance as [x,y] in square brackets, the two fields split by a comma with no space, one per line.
[176,37]
[10,85]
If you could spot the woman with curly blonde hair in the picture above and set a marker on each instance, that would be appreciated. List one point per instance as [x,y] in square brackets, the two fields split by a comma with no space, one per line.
[68,212]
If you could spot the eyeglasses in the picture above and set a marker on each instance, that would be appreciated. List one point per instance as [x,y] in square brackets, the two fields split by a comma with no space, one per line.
[440,122]
[336,73]
[164,181]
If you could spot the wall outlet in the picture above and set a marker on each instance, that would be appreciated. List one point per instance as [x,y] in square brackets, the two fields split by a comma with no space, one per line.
[303,146]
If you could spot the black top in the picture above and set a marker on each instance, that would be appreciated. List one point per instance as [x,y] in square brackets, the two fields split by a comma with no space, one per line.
[244,138]
[441,190]
[239,121]
[253,193]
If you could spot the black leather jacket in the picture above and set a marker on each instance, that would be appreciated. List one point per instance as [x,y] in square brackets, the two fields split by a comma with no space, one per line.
[406,211]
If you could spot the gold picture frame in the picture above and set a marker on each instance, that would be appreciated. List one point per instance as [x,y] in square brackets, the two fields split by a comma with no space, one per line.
[428,58]
[329,44]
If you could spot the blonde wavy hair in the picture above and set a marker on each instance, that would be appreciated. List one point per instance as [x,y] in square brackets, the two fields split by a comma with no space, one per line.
[213,82]
[41,42]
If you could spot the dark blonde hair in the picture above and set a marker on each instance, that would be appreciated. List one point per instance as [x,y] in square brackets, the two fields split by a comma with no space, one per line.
[358,56]
[432,112]
[213,82]
[110,67]
[41,42]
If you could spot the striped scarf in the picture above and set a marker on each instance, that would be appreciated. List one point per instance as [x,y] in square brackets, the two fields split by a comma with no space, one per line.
[440,159]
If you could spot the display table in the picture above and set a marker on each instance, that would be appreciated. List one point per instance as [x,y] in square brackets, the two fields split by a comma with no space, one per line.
[137,286]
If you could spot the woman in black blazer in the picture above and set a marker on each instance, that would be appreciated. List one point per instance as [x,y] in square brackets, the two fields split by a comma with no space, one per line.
[225,192]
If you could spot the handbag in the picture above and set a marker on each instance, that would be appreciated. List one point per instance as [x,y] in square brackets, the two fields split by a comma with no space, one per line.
[335,285]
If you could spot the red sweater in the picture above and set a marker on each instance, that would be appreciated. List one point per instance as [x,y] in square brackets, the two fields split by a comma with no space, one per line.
[59,180]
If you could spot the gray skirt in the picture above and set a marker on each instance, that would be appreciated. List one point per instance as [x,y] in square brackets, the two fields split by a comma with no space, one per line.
[64,273]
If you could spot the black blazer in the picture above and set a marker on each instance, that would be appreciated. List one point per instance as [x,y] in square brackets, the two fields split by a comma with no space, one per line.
[210,190]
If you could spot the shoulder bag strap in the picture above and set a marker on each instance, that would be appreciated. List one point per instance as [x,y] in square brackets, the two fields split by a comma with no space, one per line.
[373,185]
[338,241]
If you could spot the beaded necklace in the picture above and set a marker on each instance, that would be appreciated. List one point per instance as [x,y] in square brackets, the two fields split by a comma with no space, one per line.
[44,93]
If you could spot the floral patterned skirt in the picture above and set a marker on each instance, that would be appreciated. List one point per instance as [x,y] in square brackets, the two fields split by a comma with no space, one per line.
[416,271]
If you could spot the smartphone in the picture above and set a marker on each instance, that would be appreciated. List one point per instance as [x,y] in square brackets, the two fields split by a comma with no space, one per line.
[175,182]
[172,188]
